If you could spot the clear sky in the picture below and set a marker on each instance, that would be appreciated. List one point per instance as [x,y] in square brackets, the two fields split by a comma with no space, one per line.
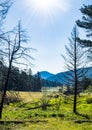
[49,24]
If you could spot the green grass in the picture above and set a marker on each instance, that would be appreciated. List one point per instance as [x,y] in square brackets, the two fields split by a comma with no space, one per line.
[57,116]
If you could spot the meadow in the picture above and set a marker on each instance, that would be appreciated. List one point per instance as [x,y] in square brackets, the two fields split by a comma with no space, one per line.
[47,111]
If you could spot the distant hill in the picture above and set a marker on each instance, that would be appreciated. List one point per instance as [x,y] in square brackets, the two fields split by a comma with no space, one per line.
[45,74]
[60,76]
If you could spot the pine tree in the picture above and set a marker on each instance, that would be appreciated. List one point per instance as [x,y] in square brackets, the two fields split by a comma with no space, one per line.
[86,23]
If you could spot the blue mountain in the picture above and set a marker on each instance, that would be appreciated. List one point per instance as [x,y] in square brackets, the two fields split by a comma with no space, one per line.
[60,76]
[45,74]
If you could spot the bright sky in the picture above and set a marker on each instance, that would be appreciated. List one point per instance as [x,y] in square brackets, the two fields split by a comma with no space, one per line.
[49,24]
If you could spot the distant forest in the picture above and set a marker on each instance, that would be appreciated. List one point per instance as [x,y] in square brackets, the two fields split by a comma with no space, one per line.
[22,80]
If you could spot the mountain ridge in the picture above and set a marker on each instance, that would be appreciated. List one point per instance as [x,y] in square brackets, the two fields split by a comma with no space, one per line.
[45,74]
[59,76]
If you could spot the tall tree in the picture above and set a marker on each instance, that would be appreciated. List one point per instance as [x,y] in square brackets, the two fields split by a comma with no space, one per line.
[74,59]
[86,23]
[37,84]
[12,50]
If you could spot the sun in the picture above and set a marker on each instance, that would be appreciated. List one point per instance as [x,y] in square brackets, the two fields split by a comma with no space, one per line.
[44,7]
[47,10]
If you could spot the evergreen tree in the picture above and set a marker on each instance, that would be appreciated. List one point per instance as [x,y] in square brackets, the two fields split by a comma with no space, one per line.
[38,85]
[86,23]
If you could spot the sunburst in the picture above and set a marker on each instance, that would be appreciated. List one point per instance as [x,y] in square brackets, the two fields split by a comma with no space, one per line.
[47,7]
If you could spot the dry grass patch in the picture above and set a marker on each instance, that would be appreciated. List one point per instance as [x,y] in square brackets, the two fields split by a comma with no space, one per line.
[30,96]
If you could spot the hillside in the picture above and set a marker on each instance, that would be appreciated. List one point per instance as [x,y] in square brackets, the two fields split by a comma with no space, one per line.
[45,74]
[60,76]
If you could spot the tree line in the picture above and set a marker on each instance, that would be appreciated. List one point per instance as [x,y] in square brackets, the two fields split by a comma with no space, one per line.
[23,80]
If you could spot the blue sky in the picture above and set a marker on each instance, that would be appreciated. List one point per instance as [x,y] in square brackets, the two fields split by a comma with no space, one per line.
[49,25]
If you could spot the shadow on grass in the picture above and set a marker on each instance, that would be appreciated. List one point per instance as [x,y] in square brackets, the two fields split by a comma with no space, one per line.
[83,121]
[41,106]
[23,121]
[83,115]
[24,105]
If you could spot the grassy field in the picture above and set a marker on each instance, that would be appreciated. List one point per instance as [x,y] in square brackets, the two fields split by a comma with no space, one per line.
[30,115]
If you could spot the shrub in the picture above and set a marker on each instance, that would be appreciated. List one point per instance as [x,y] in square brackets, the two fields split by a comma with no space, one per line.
[45,101]
[12,97]
[89,100]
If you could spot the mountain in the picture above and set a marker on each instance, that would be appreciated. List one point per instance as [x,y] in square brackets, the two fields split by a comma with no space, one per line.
[89,73]
[60,76]
[45,74]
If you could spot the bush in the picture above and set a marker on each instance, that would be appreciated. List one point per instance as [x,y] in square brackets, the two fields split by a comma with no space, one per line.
[12,97]
[45,101]
[89,100]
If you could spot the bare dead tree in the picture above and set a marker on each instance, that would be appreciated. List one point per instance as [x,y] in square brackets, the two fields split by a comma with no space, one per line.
[75,59]
[4,7]
[14,51]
